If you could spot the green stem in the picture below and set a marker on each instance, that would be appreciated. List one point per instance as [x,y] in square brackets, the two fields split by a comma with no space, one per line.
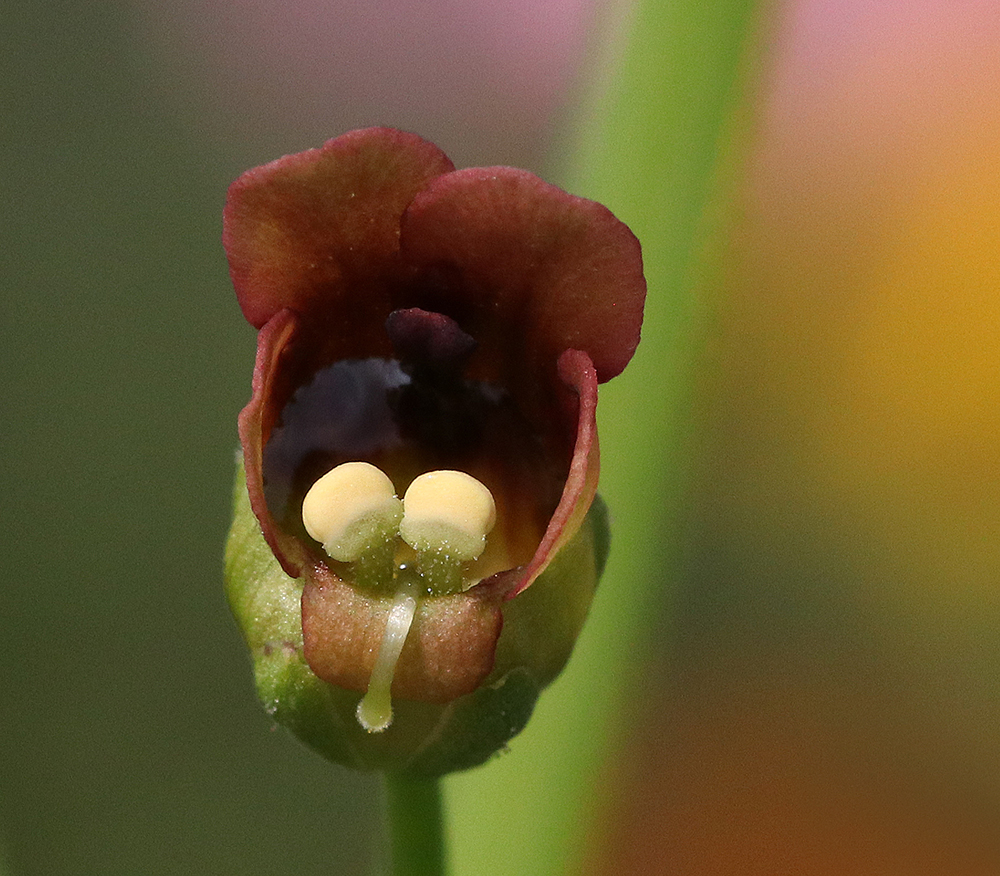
[415,826]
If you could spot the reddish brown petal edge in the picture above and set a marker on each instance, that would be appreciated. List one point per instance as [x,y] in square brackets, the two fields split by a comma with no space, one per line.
[577,371]
[254,429]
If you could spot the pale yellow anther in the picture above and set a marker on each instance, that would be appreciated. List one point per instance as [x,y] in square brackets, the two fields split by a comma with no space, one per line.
[447,512]
[351,510]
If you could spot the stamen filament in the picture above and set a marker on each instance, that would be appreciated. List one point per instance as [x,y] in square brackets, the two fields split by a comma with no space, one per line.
[375,709]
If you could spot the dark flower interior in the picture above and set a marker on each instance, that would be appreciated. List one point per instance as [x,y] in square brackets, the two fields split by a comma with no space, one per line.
[414,413]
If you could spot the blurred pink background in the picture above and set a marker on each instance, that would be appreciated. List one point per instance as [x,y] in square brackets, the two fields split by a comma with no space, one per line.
[486,80]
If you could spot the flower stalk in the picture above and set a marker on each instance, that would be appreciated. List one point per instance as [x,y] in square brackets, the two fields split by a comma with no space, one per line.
[415,826]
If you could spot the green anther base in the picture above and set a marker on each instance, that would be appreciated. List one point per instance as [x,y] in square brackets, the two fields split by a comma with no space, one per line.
[376,567]
[439,572]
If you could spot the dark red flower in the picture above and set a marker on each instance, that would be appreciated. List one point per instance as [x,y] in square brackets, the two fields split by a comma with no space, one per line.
[422,318]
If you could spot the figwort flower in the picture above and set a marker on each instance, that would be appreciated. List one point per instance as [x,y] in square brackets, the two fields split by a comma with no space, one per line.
[435,335]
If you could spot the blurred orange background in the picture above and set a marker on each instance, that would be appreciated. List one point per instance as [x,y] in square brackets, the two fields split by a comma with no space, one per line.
[829,699]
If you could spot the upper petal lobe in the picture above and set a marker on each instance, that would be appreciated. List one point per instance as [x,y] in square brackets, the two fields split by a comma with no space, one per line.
[541,271]
[318,232]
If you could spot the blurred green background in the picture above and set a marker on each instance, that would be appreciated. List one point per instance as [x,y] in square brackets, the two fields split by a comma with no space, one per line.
[131,740]
[793,670]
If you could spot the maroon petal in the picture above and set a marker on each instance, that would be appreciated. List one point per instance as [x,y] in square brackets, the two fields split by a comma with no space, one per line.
[256,421]
[318,232]
[539,271]
[577,371]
